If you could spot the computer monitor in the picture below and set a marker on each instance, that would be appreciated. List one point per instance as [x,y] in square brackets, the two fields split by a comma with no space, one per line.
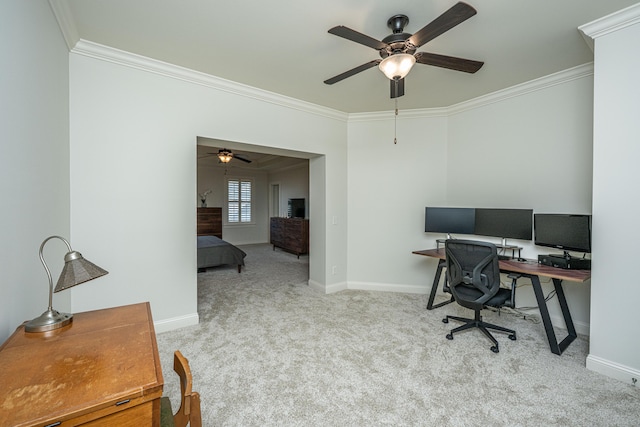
[504,223]
[563,231]
[449,220]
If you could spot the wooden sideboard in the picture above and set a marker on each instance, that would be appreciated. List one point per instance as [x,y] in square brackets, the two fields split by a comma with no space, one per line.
[210,222]
[290,234]
[103,369]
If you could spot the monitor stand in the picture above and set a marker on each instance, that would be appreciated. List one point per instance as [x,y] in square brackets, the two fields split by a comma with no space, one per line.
[507,247]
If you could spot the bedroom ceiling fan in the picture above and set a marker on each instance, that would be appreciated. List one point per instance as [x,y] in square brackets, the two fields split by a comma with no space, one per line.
[398,50]
[225,156]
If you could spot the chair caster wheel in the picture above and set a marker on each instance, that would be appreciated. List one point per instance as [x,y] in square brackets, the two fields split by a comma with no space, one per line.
[512,337]
[445,320]
[449,336]
[495,349]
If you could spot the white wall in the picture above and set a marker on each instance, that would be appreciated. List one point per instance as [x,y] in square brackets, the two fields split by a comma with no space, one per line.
[614,346]
[526,147]
[294,184]
[211,179]
[34,160]
[133,166]
[389,186]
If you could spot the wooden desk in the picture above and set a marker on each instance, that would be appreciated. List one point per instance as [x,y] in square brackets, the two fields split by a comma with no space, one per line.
[101,370]
[532,270]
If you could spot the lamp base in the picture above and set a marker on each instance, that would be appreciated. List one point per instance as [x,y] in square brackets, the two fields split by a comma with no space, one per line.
[48,321]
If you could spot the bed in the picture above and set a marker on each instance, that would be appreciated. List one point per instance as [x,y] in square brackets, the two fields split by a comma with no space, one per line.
[213,251]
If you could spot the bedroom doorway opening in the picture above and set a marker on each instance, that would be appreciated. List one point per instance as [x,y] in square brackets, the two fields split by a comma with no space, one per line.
[277,176]
[275,200]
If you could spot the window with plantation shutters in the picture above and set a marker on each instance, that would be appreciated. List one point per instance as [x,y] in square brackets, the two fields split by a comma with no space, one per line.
[239,193]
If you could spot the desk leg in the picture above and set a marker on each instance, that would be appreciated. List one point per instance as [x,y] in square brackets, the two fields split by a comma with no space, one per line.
[434,288]
[571,330]
[556,348]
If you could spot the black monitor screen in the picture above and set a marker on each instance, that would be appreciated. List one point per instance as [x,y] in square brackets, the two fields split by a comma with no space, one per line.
[563,231]
[296,208]
[449,220]
[505,223]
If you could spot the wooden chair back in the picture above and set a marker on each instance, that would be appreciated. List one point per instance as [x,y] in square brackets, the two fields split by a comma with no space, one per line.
[189,411]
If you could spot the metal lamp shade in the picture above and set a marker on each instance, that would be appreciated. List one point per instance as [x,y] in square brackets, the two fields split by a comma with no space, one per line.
[77,270]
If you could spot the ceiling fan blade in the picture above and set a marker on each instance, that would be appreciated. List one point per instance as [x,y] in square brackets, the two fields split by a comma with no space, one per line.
[353,71]
[457,14]
[242,159]
[397,88]
[450,62]
[354,36]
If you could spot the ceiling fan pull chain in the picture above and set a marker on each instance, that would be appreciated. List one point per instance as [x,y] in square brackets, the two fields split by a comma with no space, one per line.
[395,124]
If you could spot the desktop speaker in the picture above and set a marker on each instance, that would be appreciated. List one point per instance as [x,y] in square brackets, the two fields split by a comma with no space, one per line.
[566,263]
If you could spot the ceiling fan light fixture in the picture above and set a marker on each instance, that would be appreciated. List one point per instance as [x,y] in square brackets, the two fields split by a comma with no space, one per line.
[225,156]
[397,66]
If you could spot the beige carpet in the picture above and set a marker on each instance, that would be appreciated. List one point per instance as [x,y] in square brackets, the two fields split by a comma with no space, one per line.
[270,351]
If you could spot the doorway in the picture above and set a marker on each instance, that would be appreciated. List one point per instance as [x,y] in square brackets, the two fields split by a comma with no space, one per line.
[275,200]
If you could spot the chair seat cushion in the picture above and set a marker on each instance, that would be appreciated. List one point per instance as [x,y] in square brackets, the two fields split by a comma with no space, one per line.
[166,413]
[471,293]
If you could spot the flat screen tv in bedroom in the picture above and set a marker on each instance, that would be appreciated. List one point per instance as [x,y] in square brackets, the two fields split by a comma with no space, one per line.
[297,208]
[449,220]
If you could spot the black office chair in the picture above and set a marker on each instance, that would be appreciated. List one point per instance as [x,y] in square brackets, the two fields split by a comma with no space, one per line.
[473,276]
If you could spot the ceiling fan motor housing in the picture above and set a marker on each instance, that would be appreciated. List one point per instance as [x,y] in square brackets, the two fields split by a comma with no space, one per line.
[397,41]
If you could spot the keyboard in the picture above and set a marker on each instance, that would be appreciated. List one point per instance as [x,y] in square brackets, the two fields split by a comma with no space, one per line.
[504,257]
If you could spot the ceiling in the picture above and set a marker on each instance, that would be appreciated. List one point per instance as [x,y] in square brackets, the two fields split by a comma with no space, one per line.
[283,46]
[263,159]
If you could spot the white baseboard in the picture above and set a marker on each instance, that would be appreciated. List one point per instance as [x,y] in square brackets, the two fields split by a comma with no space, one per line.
[386,287]
[613,370]
[366,286]
[176,322]
[328,289]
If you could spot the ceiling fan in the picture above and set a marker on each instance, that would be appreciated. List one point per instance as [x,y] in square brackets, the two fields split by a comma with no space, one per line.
[398,50]
[225,156]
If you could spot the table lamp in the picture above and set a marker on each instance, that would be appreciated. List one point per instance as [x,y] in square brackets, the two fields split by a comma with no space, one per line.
[76,270]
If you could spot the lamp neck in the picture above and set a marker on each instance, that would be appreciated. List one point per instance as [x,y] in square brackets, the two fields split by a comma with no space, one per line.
[47,268]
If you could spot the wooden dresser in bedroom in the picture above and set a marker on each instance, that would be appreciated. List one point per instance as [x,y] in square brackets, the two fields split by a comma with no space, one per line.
[290,234]
[210,222]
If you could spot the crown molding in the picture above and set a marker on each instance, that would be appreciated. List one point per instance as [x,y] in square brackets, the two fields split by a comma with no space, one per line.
[418,113]
[575,73]
[611,23]
[541,83]
[67,25]
[132,60]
